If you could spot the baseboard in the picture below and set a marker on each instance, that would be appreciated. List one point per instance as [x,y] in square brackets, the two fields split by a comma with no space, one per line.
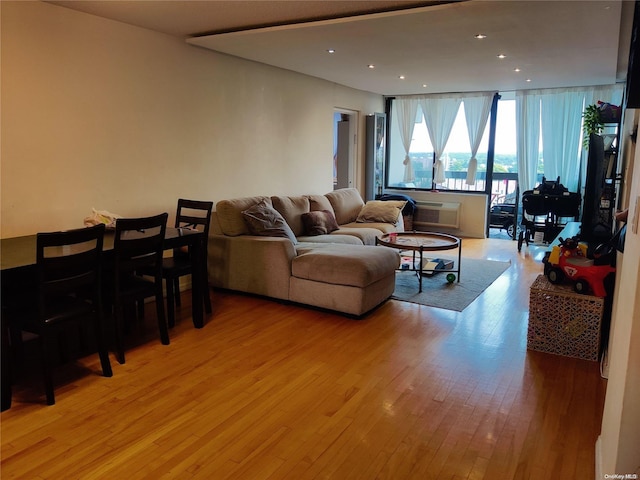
[599,458]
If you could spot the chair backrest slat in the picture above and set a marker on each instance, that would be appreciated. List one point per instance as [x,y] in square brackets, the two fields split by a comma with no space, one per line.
[186,214]
[69,262]
[138,243]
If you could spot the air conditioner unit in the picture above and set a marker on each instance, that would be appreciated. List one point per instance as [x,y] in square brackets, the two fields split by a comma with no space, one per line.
[430,214]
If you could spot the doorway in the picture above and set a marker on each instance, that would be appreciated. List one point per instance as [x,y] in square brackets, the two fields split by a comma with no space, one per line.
[344,147]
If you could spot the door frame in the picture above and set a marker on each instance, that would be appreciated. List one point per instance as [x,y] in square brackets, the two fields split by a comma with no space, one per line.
[353,116]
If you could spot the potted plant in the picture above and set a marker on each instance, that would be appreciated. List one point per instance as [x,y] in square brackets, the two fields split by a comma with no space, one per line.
[591,123]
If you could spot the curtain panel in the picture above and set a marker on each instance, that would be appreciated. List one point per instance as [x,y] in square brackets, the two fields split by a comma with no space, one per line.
[527,139]
[406,111]
[440,112]
[439,115]
[476,112]
[556,114]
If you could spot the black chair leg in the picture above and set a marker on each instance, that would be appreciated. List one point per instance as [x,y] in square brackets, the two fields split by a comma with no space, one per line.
[119,313]
[176,289]
[171,309]
[102,350]
[6,375]
[63,348]
[46,370]
[17,348]
[162,322]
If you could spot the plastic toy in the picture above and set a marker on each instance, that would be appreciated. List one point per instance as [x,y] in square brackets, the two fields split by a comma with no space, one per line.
[569,260]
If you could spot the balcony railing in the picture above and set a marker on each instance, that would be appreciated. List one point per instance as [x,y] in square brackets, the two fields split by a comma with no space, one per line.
[504,186]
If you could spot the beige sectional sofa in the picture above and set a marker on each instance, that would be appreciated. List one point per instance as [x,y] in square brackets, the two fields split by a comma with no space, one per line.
[316,250]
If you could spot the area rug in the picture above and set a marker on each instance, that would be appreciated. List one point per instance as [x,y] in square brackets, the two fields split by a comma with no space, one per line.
[476,276]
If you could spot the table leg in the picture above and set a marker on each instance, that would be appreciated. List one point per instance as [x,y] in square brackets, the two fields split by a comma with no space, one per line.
[197,283]
[459,257]
[419,271]
[6,368]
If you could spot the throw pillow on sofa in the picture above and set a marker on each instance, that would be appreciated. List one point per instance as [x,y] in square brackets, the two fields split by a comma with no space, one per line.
[264,220]
[319,222]
[346,204]
[292,209]
[379,211]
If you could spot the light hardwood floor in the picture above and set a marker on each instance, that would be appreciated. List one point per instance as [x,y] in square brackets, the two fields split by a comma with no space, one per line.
[273,391]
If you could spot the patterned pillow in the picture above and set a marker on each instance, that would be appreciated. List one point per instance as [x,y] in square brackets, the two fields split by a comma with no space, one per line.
[319,222]
[262,219]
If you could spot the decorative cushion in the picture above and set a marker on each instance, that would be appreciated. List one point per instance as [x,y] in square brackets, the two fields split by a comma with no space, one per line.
[319,202]
[346,203]
[292,209]
[229,213]
[379,211]
[262,219]
[319,222]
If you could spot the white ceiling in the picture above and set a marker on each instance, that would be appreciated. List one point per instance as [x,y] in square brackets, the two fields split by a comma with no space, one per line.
[553,43]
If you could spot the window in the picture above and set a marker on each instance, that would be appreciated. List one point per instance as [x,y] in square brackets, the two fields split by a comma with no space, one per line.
[455,157]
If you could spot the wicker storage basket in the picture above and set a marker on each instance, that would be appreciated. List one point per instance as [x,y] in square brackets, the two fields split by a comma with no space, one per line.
[562,321]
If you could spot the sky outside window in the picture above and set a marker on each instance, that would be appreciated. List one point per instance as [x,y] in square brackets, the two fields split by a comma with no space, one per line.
[459,138]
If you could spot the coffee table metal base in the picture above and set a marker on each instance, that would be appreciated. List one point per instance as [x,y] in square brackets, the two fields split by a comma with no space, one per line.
[420,242]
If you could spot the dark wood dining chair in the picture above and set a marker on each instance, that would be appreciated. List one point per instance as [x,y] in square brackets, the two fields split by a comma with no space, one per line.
[138,246]
[193,214]
[69,294]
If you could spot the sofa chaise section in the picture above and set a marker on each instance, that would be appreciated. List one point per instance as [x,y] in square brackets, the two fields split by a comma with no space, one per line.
[339,270]
[347,278]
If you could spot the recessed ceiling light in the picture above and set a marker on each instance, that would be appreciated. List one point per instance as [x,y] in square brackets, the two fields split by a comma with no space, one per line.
[480,36]
[528,79]
[401,77]
[501,56]
[424,85]
[516,69]
[331,50]
[371,65]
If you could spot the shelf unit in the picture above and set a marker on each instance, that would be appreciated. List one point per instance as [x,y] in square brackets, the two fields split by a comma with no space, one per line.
[602,185]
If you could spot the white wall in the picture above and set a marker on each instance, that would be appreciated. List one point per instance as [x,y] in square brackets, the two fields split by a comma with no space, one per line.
[96,113]
[619,442]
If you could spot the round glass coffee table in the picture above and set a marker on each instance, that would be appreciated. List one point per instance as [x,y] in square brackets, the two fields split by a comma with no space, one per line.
[420,242]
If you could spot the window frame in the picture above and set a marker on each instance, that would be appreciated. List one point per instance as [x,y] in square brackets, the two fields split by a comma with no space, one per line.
[490,154]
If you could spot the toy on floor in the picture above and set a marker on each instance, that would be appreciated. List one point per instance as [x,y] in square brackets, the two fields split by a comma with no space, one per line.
[429,266]
[570,260]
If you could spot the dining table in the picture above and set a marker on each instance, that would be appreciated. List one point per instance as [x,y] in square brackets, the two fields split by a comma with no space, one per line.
[18,271]
[18,261]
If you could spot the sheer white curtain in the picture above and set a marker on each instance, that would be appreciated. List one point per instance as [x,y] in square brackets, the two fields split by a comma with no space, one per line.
[527,138]
[439,114]
[561,120]
[406,111]
[557,114]
[476,112]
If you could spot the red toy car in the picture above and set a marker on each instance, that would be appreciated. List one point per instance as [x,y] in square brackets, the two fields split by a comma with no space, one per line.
[569,260]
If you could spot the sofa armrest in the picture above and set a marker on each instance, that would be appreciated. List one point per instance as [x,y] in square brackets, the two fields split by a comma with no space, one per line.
[252,264]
